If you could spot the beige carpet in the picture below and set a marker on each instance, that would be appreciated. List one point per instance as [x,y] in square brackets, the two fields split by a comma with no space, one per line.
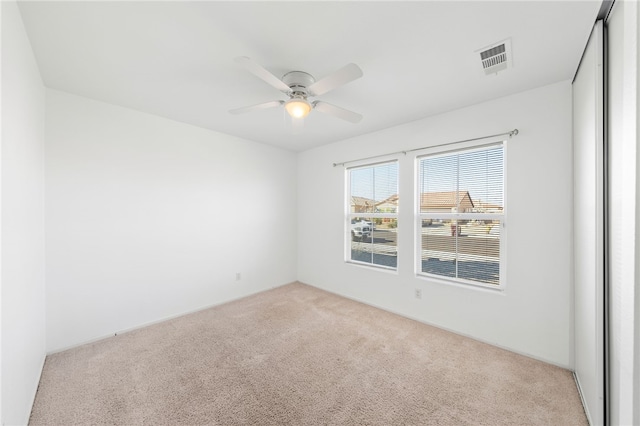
[297,355]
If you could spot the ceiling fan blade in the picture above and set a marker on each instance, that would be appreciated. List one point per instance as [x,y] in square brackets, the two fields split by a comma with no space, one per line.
[344,75]
[260,72]
[345,114]
[264,105]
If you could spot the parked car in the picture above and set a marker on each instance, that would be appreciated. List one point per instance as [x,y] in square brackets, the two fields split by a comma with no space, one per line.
[360,231]
[364,222]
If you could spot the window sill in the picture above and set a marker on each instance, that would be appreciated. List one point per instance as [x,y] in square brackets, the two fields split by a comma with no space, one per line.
[489,288]
[373,266]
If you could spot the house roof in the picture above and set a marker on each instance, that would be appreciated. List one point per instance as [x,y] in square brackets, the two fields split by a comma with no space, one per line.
[362,201]
[445,199]
[389,200]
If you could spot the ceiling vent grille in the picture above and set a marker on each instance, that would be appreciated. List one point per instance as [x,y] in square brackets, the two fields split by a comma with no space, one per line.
[496,58]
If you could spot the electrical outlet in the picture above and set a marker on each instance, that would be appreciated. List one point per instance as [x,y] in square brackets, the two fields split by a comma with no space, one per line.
[238,276]
[418,293]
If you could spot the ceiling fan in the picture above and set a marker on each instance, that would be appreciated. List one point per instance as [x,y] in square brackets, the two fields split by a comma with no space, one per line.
[300,86]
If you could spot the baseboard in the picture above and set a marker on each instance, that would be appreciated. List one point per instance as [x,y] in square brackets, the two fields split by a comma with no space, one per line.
[163,319]
[420,320]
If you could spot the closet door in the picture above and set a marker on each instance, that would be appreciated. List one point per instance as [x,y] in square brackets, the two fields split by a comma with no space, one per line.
[588,231]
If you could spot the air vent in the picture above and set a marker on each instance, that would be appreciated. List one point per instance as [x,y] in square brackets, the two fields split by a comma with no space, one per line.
[496,58]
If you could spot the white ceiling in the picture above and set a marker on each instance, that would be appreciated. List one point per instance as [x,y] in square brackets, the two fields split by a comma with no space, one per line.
[175,59]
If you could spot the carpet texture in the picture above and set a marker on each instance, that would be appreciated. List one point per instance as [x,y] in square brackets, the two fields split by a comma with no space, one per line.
[297,355]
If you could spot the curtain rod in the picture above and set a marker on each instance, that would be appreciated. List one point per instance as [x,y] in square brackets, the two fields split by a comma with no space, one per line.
[511,133]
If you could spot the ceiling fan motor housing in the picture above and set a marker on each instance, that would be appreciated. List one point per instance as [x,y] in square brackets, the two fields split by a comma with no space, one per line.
[298,81]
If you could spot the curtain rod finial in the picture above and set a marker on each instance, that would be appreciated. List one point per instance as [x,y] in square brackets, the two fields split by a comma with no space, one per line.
[514,132]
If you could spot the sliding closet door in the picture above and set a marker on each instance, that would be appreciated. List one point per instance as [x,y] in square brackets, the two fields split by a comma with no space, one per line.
[623,47]
[588,231]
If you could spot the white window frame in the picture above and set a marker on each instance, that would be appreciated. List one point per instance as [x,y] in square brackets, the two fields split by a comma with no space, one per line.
[349,216]
[419,217]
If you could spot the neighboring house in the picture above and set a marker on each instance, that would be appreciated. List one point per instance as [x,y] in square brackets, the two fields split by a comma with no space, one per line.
[390,205]
[362,205]
[480,206]
[446,202]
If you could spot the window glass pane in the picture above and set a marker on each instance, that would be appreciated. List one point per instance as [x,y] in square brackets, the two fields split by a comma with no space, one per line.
[481,177]
[462,182]
[461,249]
[374,189]
[438,247]
[362,191]
[374,241]
[479,251]
[438,184]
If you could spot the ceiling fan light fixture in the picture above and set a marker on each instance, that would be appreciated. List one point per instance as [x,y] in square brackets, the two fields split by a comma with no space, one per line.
[298,107]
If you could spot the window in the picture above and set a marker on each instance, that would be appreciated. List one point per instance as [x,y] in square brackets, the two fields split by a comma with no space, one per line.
[372,215]
[461,215]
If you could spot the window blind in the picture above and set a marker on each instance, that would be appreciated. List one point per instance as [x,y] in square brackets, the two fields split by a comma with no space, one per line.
[461,214]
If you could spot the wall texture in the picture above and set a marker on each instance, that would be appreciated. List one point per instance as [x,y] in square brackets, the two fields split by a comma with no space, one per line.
[149,218]
[533,315]
[22,221]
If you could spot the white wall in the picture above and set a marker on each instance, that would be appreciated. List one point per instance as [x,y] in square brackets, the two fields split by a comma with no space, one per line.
[22,221]
[623,24]
[534,314]
[148,218]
